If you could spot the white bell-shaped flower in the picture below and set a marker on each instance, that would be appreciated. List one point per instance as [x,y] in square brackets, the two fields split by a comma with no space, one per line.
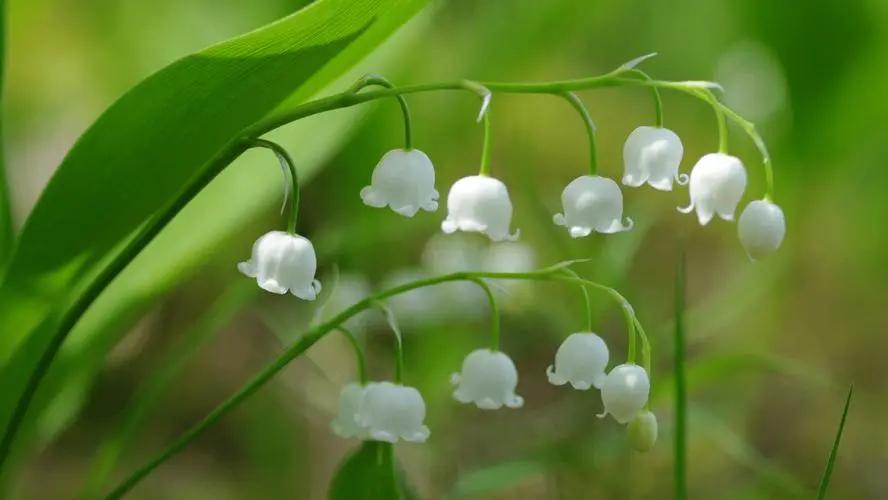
[488,379]
[761,228]
[624,392]
[351,399]
[479,204]
[592,203]
[652,155]
[404,179]
[284,262]
[716,186]
[392,412]
[580,361]
[643,431]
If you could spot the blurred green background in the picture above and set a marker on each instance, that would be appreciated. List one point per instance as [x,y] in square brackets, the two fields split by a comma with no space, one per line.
[772,346]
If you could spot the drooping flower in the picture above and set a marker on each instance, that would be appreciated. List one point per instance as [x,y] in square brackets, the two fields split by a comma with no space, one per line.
[404,179]
[624,392]
[580,361]
[592,203]
[643,431]
[479,204]
[284,262]
[761,228]
[351,398]
[488,379]
[652,155]
[716,186]
[391,412]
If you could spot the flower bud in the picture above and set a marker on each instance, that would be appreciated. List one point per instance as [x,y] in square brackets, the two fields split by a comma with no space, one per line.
[625,392]
[761,228]
[643,431]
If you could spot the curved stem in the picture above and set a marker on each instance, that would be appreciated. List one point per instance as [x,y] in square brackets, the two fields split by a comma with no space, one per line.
[379,80]
[485,148]
[587,300]
[399,344]
[494,314]
[359,353]
[628,314]
[658,103]
[578,105]
[288,166]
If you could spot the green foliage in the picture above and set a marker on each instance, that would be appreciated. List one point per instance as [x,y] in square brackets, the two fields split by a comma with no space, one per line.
[369,473]
[827,473]
[123,173]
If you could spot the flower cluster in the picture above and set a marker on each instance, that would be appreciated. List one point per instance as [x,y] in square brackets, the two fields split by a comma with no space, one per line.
[404,181]
[385,411]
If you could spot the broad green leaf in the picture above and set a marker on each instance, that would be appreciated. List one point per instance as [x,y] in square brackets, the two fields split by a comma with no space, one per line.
[827,473]
[369,474]
[121,171]
[193,238]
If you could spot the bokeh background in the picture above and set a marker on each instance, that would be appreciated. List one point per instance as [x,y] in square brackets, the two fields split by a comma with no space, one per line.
[772,346]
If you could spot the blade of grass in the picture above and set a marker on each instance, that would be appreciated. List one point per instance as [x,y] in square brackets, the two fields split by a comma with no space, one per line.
[7,234]
[824,481]
[681,403]
[190,343]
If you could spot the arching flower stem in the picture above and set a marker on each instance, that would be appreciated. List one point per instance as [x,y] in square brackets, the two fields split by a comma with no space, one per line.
[485,148]
[658,103]
[587,300]
[399,345]
[373,79]
[494,314]
[291,182]
[578,105]
[359,353]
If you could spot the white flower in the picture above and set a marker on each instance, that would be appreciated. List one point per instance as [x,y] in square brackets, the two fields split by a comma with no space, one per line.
[717,184]
[488,379]
[624,392]
[351,399]
[581,360]
[404,179]
[761,228]
[592,203]
[653,155]
[479,204]
[392,412]
[643,431]
[511,257]
[284,262]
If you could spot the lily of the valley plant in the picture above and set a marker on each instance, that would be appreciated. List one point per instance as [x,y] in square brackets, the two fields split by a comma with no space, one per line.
[592,205]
